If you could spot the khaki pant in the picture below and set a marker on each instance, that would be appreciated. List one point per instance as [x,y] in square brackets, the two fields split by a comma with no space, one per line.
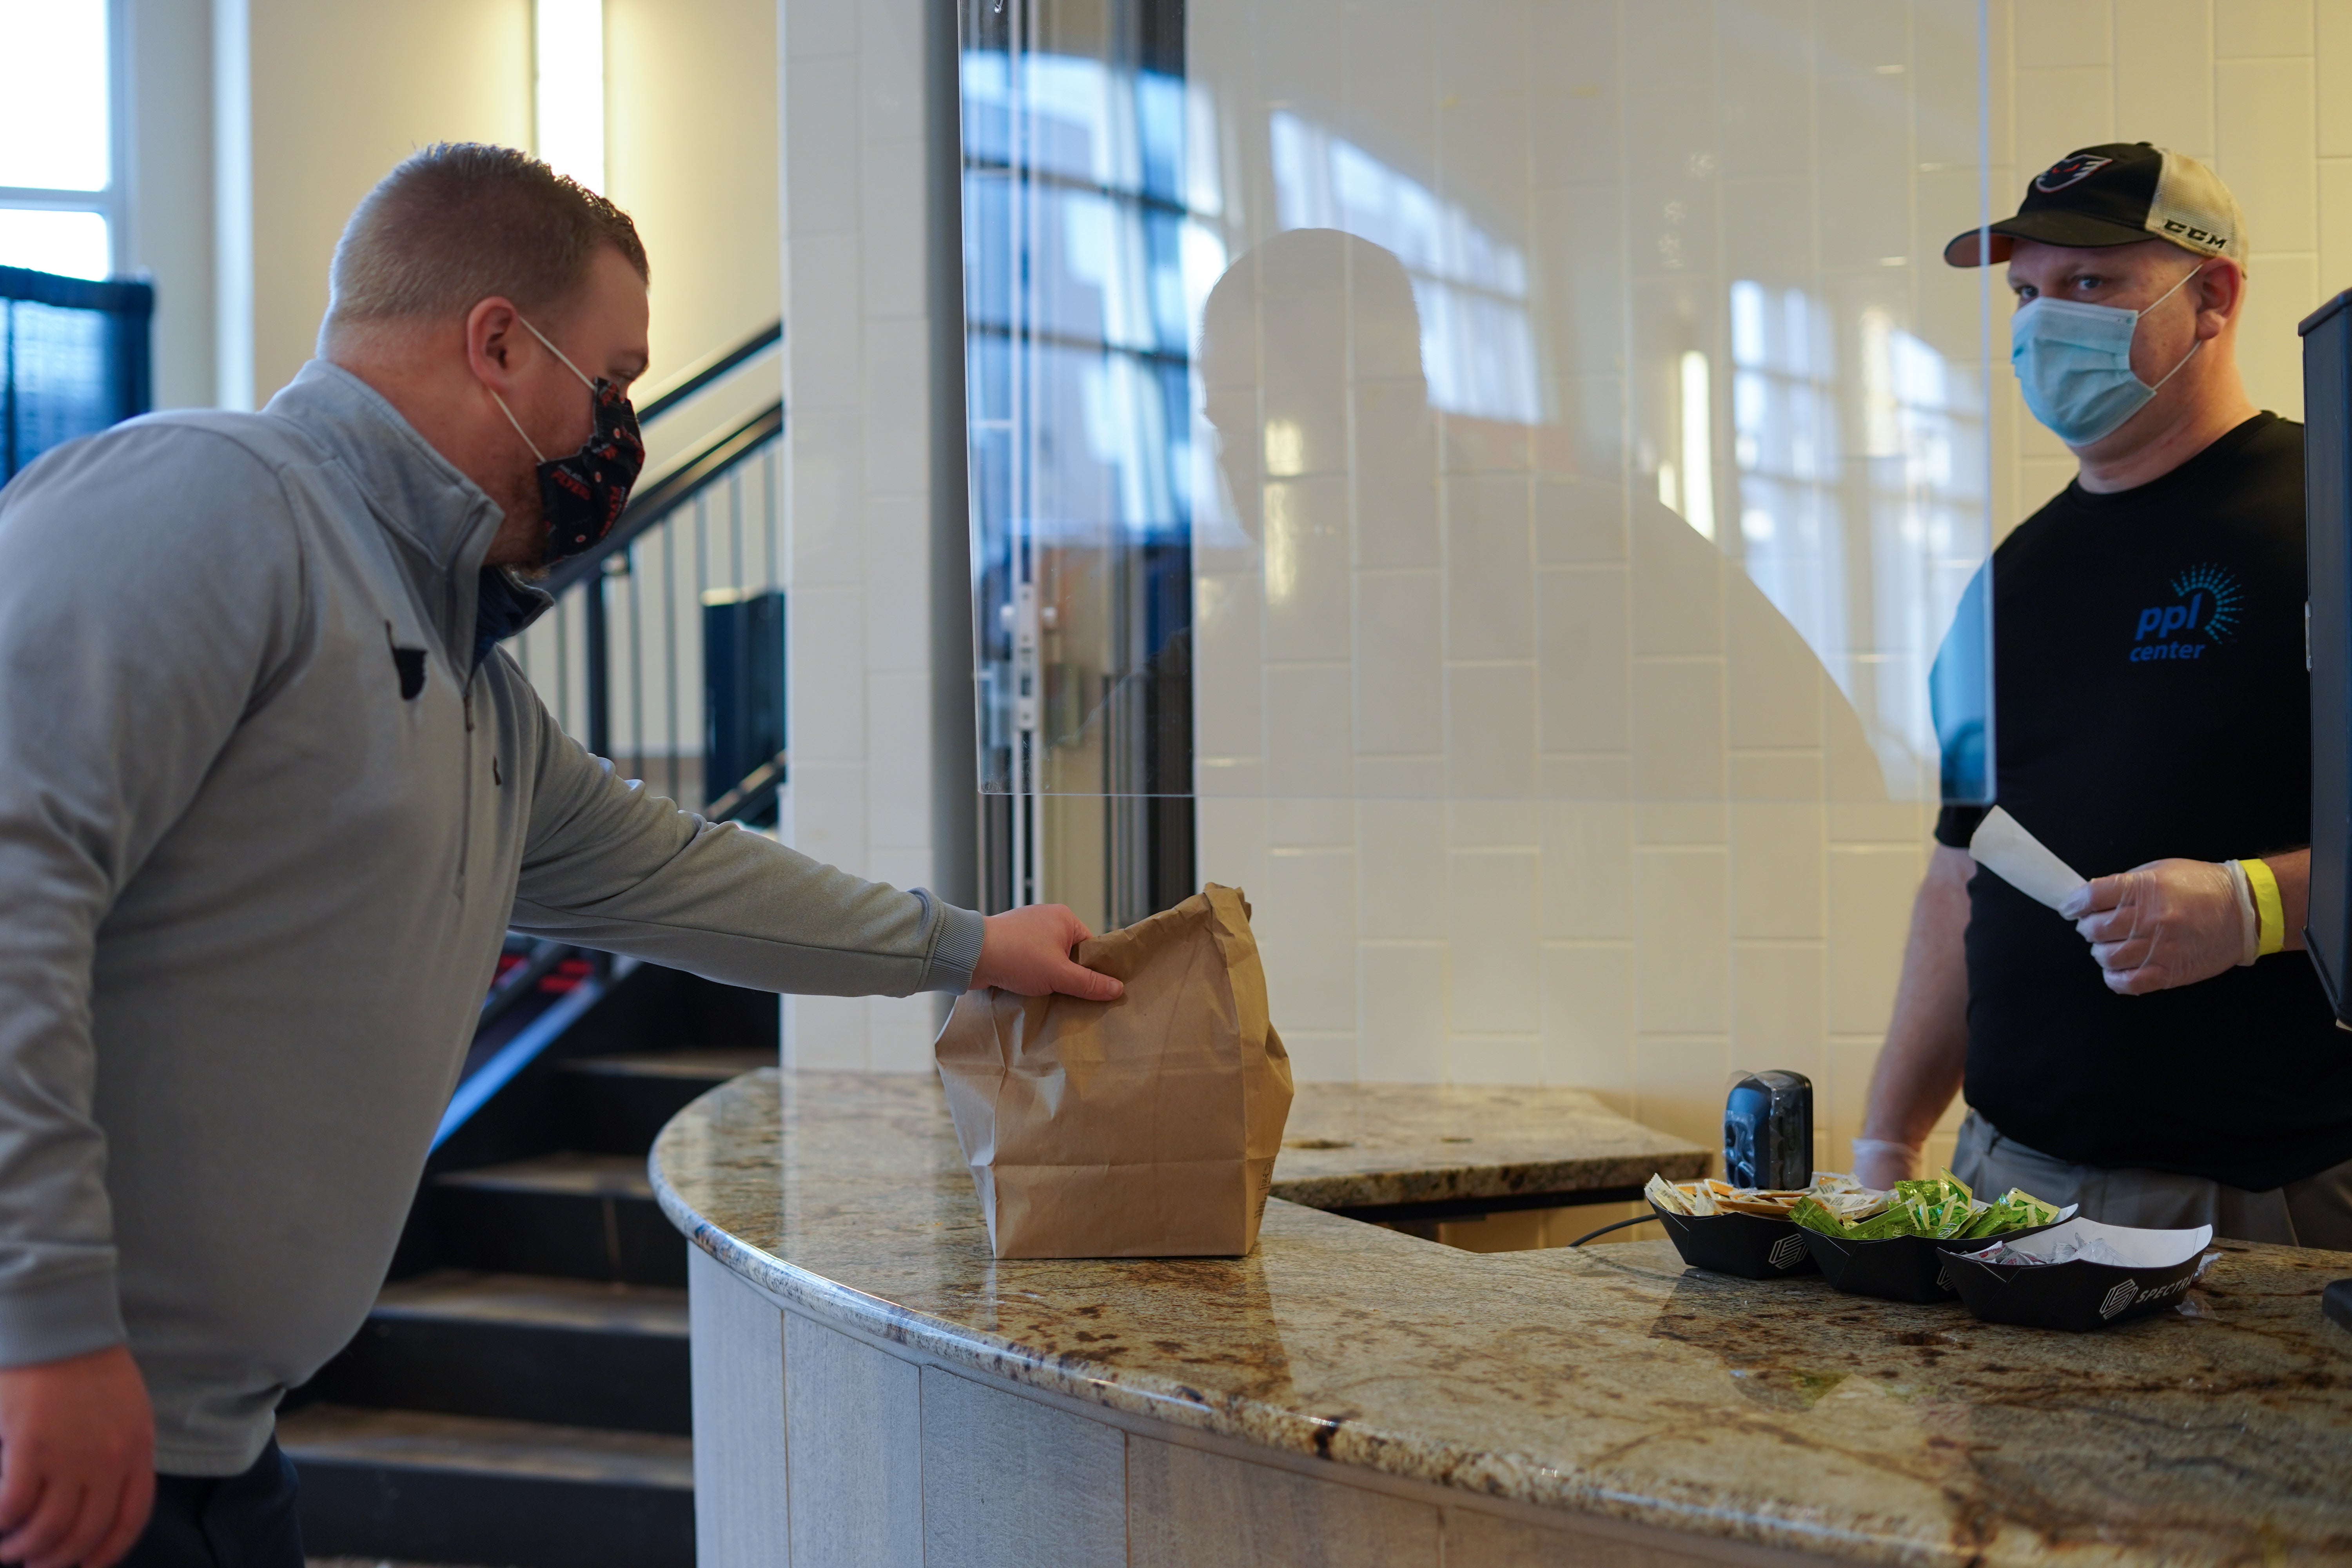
[2313,1211]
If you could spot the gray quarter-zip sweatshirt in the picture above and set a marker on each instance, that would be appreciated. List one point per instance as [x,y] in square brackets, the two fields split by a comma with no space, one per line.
[253,877]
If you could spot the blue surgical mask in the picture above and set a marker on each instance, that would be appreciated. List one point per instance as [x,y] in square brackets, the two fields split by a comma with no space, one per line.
[2073,363]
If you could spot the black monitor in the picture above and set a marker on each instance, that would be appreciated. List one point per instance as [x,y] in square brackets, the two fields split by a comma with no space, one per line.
[2327,631]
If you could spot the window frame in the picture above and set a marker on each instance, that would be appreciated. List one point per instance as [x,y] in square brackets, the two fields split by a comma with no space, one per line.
[112,201]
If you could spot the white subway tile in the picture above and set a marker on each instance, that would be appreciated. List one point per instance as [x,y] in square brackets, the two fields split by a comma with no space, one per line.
[2268,146]
[1401,886]
[892,204]
[1777,858]
[1679,1083]
[1310,824]
[825,354]
[898,390]
[1227,721]
[1390,60]
[819,29]
[826,709]
[1489,568]
[1305,920]
[1579,522]
[1678,751]
[1588,871]
[2246,28]
[1306,569]
[897,549]
[891,67]
[1401,988]
[2281,292]
[2080,33]
[1400,664]
[2059,111]
[1678,584]
[830,1034]
[1490,730]
[898,756]
[1307,729]
[1492,929]
[829,814]
[2335,78]
[1870,896]
[1319,1057]
[1682,822]
[1494,825]
[900,1032]
[1228,843]
[2164,73]
[820,158]
[1583,678]
[2335,222]
[1396,473]
[1681,969]
[1484,159]
[1776,1007]
[1494,1059]
[1589,1018]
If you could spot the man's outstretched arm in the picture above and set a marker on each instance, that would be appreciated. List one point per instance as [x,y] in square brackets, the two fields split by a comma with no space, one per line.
[1927,1050]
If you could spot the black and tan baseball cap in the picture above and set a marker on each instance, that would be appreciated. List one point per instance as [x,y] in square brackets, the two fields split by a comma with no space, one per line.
[2116,194]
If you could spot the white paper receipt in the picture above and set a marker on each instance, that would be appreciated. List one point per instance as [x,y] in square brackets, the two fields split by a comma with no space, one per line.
[2003,847]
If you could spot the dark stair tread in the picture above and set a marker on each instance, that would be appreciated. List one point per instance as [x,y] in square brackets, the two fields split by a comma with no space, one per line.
[536,1302]
[422,1440]
[565,1174]
[713,1066]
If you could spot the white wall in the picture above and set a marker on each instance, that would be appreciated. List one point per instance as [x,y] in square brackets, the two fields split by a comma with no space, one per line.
[858,485]
[318,102]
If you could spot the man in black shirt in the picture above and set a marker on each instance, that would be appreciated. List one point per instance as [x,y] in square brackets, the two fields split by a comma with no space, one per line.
[2156,1050]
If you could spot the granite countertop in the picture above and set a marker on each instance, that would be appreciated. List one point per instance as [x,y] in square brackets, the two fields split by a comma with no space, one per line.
[1610,1381]
[1351,1145]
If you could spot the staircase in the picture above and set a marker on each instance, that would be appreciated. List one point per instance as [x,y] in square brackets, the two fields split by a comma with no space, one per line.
[519,1397]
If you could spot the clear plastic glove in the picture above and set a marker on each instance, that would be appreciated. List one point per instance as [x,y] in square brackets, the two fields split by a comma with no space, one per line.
[1879,1163]
[2166,923]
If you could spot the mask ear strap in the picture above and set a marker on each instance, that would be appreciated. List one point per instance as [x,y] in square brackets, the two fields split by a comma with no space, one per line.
[2199,343]
[527,441]
[585,380]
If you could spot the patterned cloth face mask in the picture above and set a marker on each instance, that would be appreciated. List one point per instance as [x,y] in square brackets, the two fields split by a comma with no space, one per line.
[581,497]
[2073,363]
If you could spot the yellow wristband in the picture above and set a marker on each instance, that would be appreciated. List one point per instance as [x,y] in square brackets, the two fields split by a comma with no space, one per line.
[2270,914]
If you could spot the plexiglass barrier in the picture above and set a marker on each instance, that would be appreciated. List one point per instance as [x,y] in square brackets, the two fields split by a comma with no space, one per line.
[1481,401]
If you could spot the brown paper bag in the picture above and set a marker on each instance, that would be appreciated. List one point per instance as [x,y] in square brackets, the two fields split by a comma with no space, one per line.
[1142,1128]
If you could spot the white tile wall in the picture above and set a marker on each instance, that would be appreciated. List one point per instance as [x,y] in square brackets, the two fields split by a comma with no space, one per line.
[857,482]
[1705,883]
[1752,911]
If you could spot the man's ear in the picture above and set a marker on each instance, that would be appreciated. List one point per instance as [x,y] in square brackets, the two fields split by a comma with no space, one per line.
[2222,296]
[490,329]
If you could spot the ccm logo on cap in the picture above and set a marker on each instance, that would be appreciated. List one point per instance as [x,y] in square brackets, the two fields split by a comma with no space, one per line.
[2069,169]
[2194,235]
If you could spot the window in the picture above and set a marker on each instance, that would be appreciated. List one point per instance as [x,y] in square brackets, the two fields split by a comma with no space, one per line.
[59,185]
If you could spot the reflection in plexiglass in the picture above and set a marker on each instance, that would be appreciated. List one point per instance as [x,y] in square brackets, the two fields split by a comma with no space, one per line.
[1486,402]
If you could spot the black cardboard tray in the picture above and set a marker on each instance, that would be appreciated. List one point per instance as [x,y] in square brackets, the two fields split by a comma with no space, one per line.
[1899,1267]
[2078,1297]
[1747,1244]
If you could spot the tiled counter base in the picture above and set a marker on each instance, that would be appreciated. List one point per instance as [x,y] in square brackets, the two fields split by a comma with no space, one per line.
[872,1387]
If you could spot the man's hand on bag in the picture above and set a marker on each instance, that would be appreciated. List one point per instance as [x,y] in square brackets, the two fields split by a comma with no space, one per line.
[1027,952]
[2166,923]
[77,1461]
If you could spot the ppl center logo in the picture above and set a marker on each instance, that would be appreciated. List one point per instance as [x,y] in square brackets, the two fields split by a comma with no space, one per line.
[2203,611]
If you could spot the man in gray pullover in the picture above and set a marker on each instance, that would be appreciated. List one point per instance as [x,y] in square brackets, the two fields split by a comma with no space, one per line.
[270,795]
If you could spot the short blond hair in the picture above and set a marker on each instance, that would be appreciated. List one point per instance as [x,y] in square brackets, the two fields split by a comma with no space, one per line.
[461,221]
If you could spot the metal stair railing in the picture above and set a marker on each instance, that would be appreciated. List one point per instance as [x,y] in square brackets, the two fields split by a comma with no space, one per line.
[618,660]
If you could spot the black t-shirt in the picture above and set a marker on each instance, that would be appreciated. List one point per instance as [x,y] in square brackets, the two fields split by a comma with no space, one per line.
[2150,701]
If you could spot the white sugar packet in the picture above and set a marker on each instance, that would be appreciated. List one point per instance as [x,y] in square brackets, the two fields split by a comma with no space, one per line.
[2003,847]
